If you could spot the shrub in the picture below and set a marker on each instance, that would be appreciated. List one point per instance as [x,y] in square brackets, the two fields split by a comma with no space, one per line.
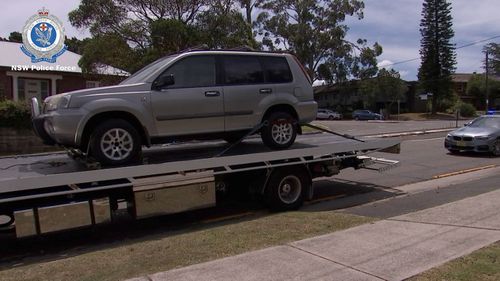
[15,114]
[466,109]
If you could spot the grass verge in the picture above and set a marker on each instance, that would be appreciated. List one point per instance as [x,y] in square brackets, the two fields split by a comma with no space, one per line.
[191,246]
[483,264]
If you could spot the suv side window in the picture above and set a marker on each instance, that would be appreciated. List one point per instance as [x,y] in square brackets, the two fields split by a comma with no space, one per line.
[242,70]
[276,69]
[191,72]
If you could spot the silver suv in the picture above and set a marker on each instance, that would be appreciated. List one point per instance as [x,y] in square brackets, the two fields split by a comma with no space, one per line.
[192,95]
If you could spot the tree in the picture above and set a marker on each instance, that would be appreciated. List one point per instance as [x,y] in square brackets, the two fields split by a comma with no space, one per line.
[248,7]
[387,87]
[16,37]
[315,31]
[493,50]
[476,87]
[76,45]
[437,52]
[223,26]
[137,27]
[109,49]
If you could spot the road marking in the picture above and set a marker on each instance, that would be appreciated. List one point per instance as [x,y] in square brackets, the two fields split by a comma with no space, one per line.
[464,171]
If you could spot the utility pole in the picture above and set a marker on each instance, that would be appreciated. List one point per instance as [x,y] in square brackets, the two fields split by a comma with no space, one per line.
[486,83]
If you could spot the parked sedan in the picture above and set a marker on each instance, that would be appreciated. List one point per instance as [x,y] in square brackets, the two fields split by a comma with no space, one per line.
[363,114]
[480,135]
[328,114]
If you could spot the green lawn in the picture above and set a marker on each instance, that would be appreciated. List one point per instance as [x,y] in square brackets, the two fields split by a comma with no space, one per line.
[483,265]
[177,249]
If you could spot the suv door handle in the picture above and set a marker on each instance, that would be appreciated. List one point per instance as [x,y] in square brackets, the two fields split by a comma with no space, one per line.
[266,91]
[212,94]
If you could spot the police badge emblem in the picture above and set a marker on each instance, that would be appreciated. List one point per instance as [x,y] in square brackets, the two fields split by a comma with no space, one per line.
[43,37]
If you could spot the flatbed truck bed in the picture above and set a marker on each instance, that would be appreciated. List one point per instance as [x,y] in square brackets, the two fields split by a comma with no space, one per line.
[45,193]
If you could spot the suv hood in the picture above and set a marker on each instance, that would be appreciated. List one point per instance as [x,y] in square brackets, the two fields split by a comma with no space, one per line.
[110,90]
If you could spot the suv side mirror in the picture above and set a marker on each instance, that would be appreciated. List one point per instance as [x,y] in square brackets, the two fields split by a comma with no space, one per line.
[163,81]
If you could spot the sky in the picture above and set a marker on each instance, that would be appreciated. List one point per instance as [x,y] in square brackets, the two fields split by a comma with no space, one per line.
[394,24]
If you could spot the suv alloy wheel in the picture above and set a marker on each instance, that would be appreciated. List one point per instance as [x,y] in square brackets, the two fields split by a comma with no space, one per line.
[115,142]
[281,131]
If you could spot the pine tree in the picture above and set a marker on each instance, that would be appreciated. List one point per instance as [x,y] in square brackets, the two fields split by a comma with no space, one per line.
[437,52]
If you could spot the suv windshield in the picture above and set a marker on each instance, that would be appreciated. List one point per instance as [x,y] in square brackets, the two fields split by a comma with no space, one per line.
[141,75]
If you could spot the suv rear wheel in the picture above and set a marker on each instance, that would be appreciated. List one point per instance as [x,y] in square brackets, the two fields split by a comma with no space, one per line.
[280,132]
[115,142]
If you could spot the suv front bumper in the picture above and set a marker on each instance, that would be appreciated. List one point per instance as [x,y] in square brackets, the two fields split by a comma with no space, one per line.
[56,127]
[40,131]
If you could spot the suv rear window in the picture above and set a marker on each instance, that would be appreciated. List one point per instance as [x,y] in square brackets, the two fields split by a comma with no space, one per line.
[276,70]
[240,70]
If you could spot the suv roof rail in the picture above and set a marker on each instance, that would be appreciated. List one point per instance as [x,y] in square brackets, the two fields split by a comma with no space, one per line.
[202,47]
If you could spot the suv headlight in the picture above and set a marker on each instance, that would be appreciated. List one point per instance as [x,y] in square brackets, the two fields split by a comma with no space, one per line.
[53,103]
[448,136]
[64,101]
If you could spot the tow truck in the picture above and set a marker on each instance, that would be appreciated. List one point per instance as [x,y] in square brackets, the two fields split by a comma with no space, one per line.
[41,194]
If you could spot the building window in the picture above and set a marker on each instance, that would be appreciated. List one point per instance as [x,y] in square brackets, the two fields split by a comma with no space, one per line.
[20,89]
[44,91]
[32,88]
[91,84]
[2,91]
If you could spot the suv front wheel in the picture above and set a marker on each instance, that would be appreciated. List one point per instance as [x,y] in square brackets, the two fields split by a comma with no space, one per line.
[280,132]
[115,142]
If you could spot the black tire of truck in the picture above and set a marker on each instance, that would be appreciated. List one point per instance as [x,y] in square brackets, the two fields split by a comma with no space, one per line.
[115,142]
[286,188]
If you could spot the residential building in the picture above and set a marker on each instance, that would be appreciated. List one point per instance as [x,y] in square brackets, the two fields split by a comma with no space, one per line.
[20,79]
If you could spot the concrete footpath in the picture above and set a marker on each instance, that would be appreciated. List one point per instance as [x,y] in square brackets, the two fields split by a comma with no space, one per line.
[391,249]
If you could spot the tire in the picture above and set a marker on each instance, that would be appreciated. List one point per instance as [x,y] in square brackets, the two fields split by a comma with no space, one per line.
[495,149]
[286,188]
[356,118]
[115,142]
[281,131]
[9,222]
[331,117]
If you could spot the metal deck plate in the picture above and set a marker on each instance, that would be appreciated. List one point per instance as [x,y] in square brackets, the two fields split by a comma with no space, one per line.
[31,172]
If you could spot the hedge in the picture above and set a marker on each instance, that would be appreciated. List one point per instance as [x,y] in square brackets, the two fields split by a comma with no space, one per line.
[467,110]
[15,114]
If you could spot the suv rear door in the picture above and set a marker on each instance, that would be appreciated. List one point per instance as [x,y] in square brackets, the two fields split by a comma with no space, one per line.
[249,80]
[194,104]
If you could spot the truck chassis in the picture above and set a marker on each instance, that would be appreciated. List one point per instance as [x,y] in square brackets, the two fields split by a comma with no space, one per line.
[62,196]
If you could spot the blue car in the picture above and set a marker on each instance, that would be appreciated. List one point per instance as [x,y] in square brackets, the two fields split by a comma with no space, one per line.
[363,114]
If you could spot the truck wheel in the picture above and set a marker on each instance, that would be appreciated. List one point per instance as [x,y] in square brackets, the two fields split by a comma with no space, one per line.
[8,222]
[115,142]
[286,188]
[281,131]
